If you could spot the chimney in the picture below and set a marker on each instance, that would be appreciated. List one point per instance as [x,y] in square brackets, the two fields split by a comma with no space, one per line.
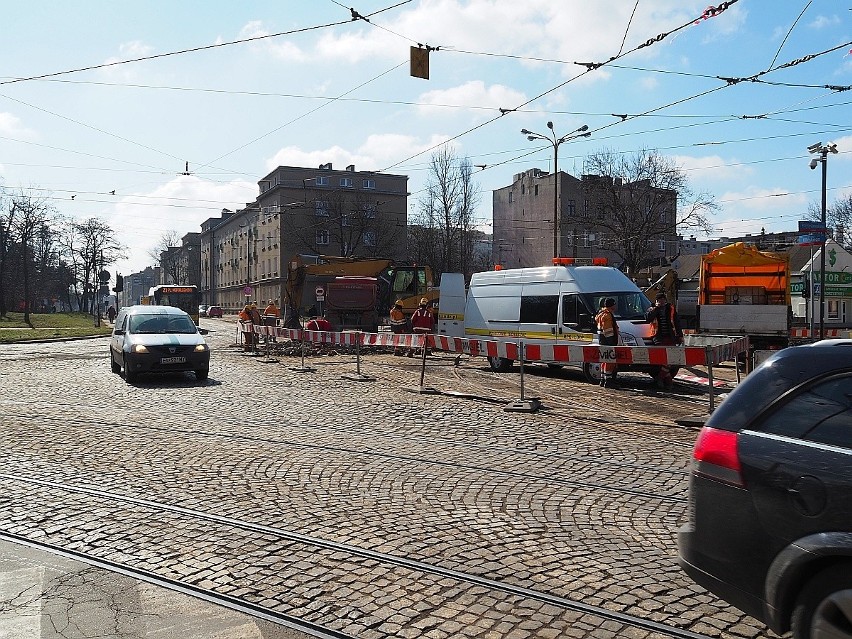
[350,168]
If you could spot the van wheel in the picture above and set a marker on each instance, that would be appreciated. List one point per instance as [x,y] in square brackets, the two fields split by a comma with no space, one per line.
[823,607]
[202,374]
[592,372]
[500,364]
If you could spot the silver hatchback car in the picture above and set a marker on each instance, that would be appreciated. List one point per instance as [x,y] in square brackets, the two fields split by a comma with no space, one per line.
[157,339]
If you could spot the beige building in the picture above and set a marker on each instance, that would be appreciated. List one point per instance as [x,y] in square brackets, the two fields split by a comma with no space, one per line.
[244,253]
[524,214]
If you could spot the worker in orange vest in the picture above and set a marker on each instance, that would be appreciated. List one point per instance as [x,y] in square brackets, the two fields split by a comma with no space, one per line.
[607,336]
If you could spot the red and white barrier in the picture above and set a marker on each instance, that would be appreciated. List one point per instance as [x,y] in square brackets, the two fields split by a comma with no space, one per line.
[559,353]
[805,333]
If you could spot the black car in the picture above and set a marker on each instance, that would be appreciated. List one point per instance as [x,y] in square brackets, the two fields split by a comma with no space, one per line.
[770,521]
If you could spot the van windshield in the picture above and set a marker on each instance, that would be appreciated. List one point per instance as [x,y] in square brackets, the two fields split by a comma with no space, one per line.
[628,306]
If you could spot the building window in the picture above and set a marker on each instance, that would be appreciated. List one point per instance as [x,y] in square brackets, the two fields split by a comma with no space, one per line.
[368,184]
[833,309]
[321,208]
[523,188]
[346,182]
[369,238]
[662,245]
[511,197]
[571,206]
[369,210]
[344,220]
[322,238]
[535,190]
[321,180]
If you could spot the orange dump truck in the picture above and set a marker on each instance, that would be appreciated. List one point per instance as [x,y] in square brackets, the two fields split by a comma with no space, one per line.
[745,292]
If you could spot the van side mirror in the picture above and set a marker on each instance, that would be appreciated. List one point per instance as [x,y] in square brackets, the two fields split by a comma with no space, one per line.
[118,331]
[585,323]
[203,331]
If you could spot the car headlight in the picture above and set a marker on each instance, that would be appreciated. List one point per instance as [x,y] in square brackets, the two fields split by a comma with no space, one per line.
[628,339]
[201,348]
[138,348]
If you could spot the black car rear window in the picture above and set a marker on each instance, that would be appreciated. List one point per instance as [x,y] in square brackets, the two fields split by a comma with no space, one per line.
[790,368]
[821,413]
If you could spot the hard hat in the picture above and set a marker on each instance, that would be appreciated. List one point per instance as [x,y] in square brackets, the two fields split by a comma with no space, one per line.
[423,301]
[398,303]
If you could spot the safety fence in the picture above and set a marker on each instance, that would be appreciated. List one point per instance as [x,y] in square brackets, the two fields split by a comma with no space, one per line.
[518,350]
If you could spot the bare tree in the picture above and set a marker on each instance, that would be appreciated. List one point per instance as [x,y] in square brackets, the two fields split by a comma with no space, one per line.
[7,246]
[442,235]
[640,198]
[163,253]
[30,218]
[97,248]
[838,217]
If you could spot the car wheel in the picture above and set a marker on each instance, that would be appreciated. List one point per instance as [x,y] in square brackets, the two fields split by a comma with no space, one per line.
[114,366]
[592,372]
[129,376]
[500,364]
[824,607]
[201,374]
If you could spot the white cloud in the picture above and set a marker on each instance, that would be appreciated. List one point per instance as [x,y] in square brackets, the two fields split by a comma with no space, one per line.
[12,126]
[279,48]
[762,199]
[472,94]
[712,167]
[823,22]
[374,154]
[126,51]
[181,204]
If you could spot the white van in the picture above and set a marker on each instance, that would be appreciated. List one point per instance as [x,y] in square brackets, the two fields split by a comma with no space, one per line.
[543,305]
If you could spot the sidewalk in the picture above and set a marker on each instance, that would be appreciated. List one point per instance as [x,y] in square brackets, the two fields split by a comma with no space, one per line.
[46,596]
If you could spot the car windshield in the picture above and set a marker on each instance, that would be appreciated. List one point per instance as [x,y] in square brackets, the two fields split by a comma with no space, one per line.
[628,306]
[161,324]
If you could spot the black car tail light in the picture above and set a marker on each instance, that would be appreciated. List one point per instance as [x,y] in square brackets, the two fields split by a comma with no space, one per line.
[715,456]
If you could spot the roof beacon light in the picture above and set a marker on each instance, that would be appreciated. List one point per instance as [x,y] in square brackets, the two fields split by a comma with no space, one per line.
[498,267]
[599,261]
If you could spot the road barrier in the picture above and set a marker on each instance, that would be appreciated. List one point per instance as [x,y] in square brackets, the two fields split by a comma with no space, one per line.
[708,356]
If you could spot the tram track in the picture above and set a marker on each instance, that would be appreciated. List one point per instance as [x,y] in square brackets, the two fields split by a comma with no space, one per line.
[434,571]
[194,433]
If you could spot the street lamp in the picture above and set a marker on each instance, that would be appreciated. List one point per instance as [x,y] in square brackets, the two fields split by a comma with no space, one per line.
[822,151]
[551,138]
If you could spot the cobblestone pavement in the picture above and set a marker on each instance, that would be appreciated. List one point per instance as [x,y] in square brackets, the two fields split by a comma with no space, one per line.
[230,484]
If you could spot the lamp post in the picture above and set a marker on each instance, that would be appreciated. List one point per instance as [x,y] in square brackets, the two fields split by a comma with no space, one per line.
[822,151]
[554,141]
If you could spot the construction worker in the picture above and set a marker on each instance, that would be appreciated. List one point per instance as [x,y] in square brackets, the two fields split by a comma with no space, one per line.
[666,331]
[422,323]
[244,317]
[272,310]
[607,336]
[397,323]
[255,314]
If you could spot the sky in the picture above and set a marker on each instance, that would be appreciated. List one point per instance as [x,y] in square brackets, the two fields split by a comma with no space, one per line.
[103,103]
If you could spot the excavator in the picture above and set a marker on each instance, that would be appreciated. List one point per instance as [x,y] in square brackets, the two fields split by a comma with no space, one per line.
[353,276]
[667,283]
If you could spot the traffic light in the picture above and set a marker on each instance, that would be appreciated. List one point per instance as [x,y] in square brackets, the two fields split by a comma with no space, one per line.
[119,283]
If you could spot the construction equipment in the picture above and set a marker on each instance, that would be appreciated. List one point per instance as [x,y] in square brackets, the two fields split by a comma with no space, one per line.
[745,292]
[308,275]
[667,283]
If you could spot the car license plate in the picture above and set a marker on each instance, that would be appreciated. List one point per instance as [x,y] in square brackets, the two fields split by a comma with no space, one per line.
[173,360]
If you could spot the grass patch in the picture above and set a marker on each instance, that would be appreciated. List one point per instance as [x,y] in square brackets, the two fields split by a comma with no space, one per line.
[50,326]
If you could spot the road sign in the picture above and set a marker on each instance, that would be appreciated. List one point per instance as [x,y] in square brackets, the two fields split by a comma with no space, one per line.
[320,293]
[809,226]
[247,290]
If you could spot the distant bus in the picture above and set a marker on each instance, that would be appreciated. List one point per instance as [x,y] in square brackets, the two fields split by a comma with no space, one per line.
[183,296]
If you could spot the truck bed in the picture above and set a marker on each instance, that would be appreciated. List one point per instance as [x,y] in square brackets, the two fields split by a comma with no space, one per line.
[744,319]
